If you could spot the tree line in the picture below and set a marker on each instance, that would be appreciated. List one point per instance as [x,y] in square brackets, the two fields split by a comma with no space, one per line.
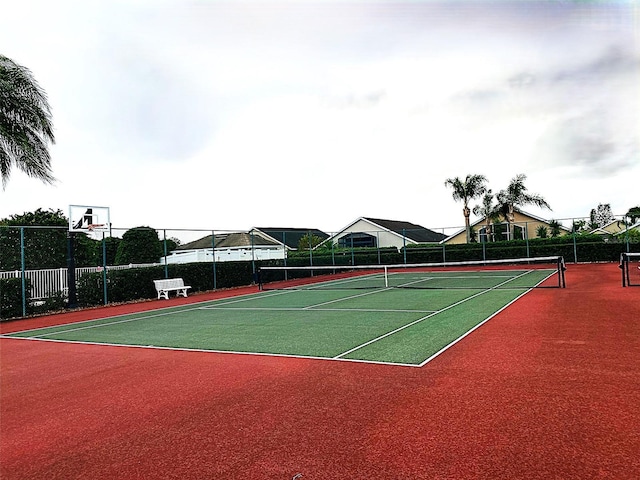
[42,240]
[495,208]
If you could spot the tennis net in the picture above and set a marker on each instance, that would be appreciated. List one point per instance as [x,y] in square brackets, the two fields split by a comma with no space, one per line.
[630,265]
[509,273]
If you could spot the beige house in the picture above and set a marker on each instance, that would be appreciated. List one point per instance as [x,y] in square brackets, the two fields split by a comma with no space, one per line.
[615,228]
[525,225]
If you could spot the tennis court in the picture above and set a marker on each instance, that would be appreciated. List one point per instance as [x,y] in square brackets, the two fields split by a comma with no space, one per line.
[402,316]
[548,388]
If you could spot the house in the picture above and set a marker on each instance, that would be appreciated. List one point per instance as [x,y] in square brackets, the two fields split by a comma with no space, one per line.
[257,244]
[289,237]
[228,247]
[616,228]
[376,232]
[525,225]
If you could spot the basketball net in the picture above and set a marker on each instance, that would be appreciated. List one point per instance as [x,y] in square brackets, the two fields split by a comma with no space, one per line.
[93,226]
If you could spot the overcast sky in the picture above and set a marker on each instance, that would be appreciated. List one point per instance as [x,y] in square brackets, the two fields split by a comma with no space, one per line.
[231,114]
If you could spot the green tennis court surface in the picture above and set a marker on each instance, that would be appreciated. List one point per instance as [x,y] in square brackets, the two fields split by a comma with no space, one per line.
[390,325]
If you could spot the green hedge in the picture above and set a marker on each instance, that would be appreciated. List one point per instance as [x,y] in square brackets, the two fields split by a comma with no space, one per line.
[11,297]
[585,248]
[137,283]
[344,256]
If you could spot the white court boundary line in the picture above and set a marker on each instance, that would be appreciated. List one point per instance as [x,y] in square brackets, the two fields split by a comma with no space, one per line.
[247,297]
[201,350]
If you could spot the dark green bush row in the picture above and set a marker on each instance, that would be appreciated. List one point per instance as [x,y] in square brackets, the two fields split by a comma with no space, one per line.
[582,248]
[11,297]
[11,300]
[137,283]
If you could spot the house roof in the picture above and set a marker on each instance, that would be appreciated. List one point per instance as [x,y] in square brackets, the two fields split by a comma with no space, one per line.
[201,243]
[416,233]
[615,227]
[244,239]
[290,236]
[227,240]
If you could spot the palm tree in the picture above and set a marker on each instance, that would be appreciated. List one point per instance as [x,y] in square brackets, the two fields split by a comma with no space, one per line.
[473,186]
[25,124]
[554,226]
[515,195]
[489,211]
[633,214]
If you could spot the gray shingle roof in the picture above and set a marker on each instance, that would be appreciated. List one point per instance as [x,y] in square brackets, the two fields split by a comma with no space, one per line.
[410,230]
[291,236]
[201,243]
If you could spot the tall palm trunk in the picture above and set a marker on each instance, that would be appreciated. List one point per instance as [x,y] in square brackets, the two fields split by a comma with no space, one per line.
[466,211]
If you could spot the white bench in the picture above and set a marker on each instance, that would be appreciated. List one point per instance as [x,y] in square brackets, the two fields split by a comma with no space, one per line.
[170,284]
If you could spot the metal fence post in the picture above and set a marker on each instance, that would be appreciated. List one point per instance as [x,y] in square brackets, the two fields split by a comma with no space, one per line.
[253,258]
[164,242]
[22,276]
[575,246]
[284,252]
[404,246]
[104,269]
[213,251]
[71,272]
[353,257]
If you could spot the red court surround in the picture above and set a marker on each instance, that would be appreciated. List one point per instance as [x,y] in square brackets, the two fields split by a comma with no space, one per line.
[547,389]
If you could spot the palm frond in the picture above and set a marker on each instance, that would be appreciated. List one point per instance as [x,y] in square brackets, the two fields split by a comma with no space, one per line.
[25,124]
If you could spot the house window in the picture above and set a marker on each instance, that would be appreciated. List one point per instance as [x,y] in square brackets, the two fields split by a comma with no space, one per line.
[518,232]
[357,240]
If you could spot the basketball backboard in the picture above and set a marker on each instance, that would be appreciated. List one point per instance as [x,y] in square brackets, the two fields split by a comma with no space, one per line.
[89,219]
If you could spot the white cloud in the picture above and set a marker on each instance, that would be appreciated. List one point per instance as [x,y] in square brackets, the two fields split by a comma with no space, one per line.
[309,115]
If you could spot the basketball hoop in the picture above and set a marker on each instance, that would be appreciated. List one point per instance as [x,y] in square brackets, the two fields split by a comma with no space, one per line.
[89,219]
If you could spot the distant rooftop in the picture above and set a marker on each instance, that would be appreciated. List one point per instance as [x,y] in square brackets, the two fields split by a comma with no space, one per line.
[410,230]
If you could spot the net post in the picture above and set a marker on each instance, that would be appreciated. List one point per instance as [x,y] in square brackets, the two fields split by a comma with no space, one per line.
[624,266]
[627,268]
[561,269]
[386,276]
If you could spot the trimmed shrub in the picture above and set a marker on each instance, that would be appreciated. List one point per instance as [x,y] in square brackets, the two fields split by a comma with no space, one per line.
[139,245]
[11,297]
[137,283]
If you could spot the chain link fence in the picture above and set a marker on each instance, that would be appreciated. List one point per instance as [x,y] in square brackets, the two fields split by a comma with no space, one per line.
[49,268]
